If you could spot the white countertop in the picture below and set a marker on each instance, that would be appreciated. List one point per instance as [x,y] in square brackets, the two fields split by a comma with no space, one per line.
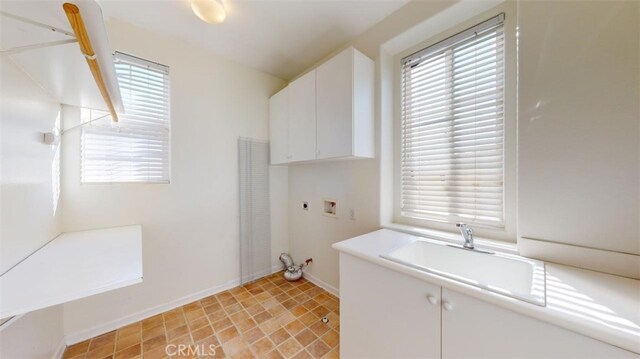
[601,306]
[72,266]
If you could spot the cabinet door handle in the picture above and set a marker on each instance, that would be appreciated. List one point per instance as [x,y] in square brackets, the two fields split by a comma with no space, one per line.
[447,306]
[432,300]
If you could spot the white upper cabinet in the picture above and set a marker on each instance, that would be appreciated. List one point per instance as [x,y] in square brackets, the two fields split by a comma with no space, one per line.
[302,118]
[278,126]
[329,113]
[345,91]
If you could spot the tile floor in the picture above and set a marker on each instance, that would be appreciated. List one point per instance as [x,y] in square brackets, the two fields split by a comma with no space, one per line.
[268,318]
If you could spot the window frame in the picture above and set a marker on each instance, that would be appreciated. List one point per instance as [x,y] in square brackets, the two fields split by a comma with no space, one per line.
[508,232]
[157,67]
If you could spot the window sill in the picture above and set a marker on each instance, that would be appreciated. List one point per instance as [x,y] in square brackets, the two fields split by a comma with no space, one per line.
[483,243]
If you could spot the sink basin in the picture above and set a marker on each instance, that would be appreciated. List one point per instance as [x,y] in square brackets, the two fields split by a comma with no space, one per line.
[517,277]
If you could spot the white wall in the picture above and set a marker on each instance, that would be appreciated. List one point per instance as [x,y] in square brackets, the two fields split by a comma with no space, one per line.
[579,128]
[363,185]
[579,133]
[353,184]
[190,227]
[29,212]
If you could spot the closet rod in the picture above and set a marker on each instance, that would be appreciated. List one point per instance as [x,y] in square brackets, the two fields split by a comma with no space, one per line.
[77,24]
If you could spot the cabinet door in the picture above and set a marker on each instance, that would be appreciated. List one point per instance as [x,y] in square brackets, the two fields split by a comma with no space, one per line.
[278,124]
[335,106]
[475,329]
[302,118]
[385,314]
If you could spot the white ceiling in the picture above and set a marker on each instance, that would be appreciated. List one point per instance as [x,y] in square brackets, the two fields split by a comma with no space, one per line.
[282,38]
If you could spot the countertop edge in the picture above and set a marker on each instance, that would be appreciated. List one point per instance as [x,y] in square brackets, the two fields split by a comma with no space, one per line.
[583,327]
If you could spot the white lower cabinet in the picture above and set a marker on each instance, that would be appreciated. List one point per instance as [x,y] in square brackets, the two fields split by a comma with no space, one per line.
[472,328]
[386,314]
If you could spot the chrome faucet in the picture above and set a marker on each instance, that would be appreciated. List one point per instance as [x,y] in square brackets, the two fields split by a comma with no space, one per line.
[467,234]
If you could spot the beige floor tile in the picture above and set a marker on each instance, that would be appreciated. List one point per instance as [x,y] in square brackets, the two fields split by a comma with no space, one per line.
[261,347]
[246,325]
[306,337]
[135,328]
[152,332]
[234,346]
[245,354]
[303,355]
[202,333]
[101,351]
[177,332]
[253,335]
[228,334]
[99,341]
[198,323]
[152,322]
[129,353]
[270,326]
[318,349]
[268,318]
[294,327]
[129,340]
[289,348]
[279,336]
[154,342]
[76,349]
[331,338]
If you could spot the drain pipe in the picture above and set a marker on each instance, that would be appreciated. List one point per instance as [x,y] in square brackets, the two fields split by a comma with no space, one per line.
[293,272]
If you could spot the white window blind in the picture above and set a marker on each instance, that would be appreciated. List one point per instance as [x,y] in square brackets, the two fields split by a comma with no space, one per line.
[137,148]
[452,146]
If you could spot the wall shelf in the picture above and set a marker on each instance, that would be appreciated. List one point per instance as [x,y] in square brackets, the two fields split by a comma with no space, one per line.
[74,265]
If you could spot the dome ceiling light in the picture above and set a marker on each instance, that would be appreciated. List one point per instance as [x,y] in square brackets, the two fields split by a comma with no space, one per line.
[211,11]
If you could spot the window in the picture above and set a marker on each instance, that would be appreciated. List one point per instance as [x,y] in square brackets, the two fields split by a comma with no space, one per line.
[452,129]
[137,148]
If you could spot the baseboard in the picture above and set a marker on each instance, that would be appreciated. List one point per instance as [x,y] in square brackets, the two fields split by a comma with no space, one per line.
[264,273]
[118,323]
[322,284]
[60,351]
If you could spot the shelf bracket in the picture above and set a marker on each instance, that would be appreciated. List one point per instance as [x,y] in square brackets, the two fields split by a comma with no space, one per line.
[19,49]
[36,23]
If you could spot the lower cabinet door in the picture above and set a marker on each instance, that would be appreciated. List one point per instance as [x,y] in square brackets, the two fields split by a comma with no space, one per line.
[475,329]
[385,314]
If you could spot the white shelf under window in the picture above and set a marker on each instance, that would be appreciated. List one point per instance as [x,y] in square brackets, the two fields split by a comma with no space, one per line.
[74,265]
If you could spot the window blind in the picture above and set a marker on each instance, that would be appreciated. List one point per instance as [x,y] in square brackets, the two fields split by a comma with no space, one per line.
[137,148]
[452,145]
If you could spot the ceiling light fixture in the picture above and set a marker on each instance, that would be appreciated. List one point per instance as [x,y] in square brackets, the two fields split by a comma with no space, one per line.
[211,11]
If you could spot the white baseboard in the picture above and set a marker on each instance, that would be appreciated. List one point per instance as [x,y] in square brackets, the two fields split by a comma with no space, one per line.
[322,284]
[60,351]
[79,336]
